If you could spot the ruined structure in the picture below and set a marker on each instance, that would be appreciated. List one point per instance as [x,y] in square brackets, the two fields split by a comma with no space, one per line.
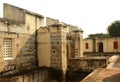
[27,47]
[58,45]
[18,39]
[75,47]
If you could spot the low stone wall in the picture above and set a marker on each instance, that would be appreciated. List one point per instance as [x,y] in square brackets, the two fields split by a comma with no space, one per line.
[87,63]
[40,75]
[88,54]
[103,75]
[23,51]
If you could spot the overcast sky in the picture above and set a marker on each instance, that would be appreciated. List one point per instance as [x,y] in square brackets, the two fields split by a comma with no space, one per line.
[93,16]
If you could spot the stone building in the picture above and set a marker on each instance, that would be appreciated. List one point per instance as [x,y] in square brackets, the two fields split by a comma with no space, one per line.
[54,52]
[74,45]
[106,45]
[18,39]
[74,38]
[26,44]
[50,21]
[56,44]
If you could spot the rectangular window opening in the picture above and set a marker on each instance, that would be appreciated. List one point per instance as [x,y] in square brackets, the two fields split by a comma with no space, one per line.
[86,45]
[7,46]
[115,45]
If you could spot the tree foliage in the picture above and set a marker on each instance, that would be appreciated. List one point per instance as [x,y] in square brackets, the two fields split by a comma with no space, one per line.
[114,29]
[98,35]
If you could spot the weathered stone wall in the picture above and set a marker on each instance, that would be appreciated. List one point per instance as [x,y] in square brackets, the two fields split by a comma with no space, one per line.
[43,43]
[90,45]
[108,45]
[14,13]
[52,46]
[23,52]
[41,75]
[20,26]
[30,19]
[50,21]
[87,63]
[21,20]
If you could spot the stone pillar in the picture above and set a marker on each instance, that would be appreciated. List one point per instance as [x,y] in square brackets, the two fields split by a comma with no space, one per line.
[69,50]
[81,43]
[78,42]
[77,48]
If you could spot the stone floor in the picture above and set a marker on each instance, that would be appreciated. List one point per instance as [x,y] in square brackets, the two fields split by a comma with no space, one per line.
[103,75]
[109,74]
[114,62]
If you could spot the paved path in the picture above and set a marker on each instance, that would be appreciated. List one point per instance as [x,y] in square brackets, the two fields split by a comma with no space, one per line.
[109,74]
[114,62]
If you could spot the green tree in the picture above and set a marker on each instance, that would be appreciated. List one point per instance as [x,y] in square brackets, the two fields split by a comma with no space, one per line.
[98,35]
[114,29]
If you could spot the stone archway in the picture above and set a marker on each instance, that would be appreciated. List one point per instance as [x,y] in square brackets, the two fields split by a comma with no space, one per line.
[100,47]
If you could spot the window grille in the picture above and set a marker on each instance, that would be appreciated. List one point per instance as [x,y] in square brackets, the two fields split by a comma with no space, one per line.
[7,44]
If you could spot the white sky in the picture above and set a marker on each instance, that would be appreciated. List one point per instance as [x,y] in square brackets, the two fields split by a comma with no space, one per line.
[93,16]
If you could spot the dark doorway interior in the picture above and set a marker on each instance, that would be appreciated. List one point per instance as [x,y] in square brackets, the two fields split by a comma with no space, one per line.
[100,47]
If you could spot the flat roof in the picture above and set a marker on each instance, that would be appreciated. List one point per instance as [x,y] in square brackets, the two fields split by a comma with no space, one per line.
[89,58]
[26,11]
[103,75]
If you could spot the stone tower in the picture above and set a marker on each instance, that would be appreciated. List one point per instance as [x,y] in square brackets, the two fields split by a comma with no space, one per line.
[78,38]
[58,50]
[75,45]
[52,50]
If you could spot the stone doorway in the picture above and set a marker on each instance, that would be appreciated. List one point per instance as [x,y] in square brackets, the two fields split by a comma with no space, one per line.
[100,47]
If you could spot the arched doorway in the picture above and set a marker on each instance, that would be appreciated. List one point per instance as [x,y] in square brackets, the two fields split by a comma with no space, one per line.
[100,47]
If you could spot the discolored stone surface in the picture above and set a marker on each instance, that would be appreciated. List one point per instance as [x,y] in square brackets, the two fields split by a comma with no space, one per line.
[103,75]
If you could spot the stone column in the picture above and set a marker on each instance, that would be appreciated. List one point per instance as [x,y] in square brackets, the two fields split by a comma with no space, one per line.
[76,48]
